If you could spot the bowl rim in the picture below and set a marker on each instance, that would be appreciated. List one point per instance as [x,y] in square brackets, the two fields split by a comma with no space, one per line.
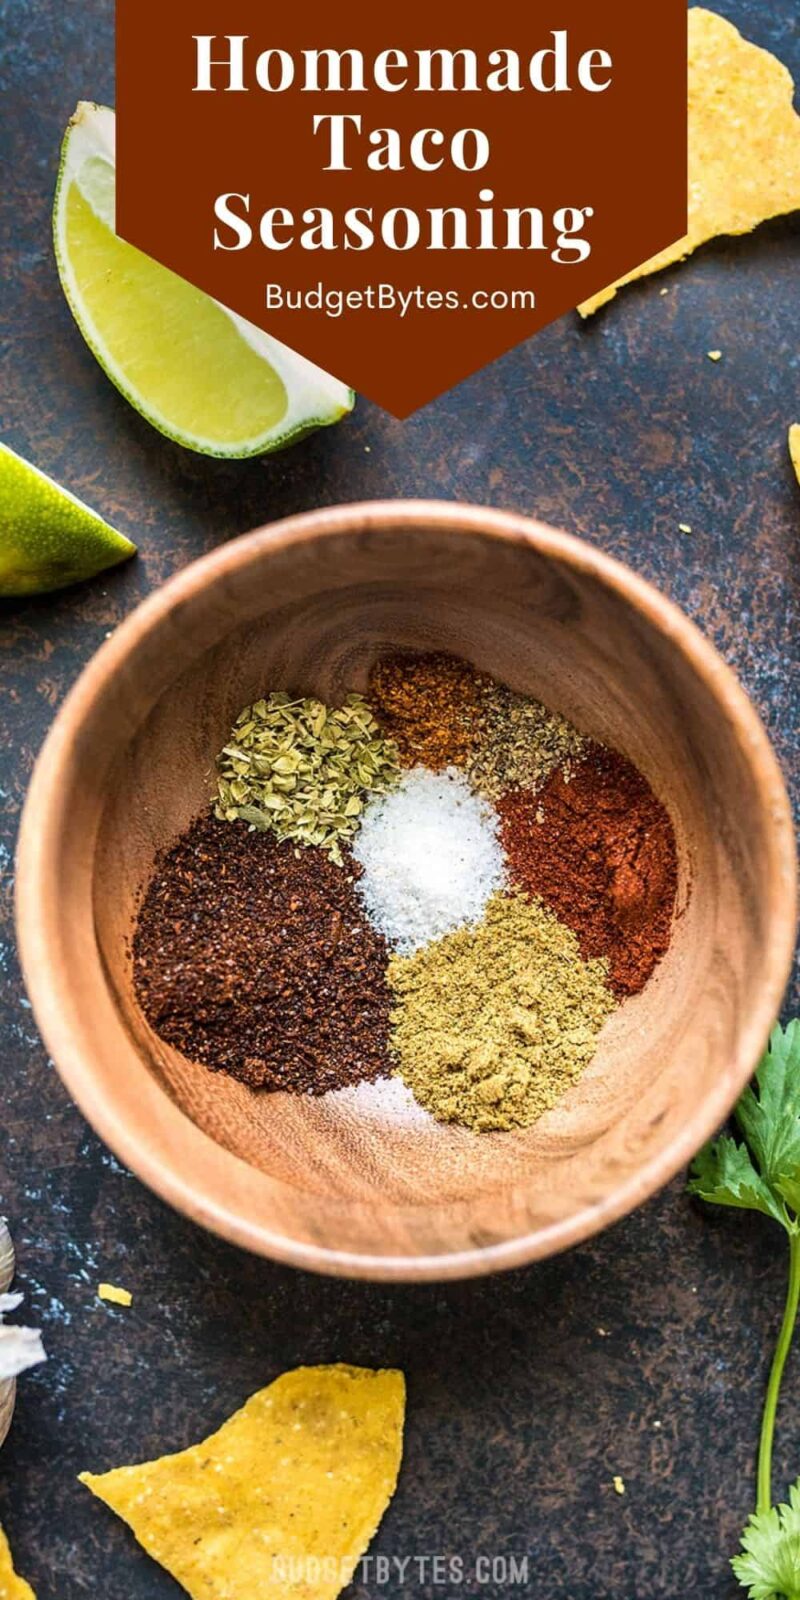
[44,979]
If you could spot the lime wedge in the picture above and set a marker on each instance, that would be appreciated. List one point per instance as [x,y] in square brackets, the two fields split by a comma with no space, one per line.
[200,373]
[48,538]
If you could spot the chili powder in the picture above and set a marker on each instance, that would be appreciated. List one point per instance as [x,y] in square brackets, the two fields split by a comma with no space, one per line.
[599,848]
[256,958]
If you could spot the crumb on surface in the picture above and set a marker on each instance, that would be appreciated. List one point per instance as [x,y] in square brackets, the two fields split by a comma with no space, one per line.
[619,1484]
[114,1295]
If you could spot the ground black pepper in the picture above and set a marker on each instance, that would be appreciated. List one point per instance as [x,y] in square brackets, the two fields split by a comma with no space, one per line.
[256,958]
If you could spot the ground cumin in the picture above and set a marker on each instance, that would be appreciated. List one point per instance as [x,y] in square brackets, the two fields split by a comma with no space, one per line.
[493,1022]
[599,848]
[256,958]
[429,705]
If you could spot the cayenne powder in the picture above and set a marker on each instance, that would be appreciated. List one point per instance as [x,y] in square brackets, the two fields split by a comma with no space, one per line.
[599,848]
[429,705]
[256,958]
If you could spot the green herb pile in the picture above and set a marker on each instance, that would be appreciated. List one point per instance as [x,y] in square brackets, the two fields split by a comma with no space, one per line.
[301,769]
[763,1174]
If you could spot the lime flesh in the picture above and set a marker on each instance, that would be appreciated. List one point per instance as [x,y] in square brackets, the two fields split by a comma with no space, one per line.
[48,538]
[165,318]
[200,374]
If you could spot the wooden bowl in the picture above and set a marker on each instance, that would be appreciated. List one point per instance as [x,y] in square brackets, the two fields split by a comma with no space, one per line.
[307,604]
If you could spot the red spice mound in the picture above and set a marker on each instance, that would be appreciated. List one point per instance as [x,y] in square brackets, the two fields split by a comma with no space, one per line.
[257,959]
[600,851]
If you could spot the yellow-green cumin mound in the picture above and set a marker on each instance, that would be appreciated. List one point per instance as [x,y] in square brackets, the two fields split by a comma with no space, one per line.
[492,1023]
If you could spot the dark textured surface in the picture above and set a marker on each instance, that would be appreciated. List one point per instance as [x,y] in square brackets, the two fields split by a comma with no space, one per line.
[521,1409]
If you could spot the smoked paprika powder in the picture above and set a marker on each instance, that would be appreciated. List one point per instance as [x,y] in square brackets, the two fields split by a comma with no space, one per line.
[599,848]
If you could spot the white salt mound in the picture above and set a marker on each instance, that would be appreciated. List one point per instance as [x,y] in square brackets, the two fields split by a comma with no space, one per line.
[431,858]
[386,1102]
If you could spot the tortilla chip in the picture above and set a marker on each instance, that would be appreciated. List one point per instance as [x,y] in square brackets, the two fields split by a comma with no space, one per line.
[794,448]
[744,143]
[283,1500]
[11,1587]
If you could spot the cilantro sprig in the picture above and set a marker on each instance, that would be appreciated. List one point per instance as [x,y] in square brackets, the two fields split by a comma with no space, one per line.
[763,1174]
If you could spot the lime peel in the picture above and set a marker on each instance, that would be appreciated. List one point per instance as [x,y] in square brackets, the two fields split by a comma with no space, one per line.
[48,537]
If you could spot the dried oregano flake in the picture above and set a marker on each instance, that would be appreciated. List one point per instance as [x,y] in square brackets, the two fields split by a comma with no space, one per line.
[301,769]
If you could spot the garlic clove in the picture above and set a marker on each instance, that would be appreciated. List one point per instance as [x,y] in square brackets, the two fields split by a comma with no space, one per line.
[20,1348]
[6,1256]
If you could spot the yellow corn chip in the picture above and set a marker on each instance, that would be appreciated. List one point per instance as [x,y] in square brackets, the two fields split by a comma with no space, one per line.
[794,447]
[744,143]
[11,1587]
[283,1500]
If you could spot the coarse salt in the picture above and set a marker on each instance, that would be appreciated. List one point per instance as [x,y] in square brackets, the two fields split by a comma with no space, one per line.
[385,1102]
[431,858]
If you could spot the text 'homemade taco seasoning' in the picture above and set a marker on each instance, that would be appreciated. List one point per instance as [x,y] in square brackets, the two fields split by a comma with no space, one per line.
[600,851]
[492,1023]
[256,958]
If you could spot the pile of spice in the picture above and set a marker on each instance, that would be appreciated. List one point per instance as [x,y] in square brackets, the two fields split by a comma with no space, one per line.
[444,881]
[492,1023]
[439,712]
[428,705]
[600,851]
[302,769]
[257,959]
[519,742]
[431,858]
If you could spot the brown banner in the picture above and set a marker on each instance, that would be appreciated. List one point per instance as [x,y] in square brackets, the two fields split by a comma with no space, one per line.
[401,198]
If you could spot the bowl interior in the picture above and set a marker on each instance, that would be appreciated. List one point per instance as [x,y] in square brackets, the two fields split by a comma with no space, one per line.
[315,1180]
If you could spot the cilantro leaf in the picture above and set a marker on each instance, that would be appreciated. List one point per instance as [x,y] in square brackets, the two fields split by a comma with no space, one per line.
[769,1566]
[723,1174]
[763,1174]
[790,1189]
[769,1113]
